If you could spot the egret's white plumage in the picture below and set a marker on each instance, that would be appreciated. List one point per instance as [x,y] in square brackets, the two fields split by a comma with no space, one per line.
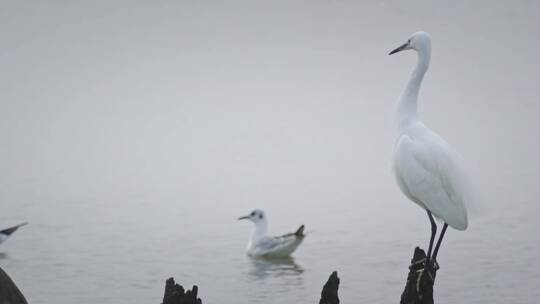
[261,245]
[426,168]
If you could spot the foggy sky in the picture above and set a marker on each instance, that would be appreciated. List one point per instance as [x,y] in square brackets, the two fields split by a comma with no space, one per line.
[255,100]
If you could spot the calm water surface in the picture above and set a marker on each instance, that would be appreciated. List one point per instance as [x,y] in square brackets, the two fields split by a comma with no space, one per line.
[122,254]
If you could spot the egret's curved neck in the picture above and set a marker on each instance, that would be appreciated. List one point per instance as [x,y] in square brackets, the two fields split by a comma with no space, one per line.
[408,101]
[259,231]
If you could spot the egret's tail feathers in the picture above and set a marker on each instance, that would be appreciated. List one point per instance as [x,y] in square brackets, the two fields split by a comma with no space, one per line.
[10,230]
[300,231]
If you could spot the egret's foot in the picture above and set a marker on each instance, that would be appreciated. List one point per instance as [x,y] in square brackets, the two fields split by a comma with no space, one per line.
[419,286]
[434,265]
[428,273]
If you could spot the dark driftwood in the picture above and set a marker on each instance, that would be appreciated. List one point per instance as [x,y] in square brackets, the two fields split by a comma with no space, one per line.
[175,294]
[329,294]
[419,286]
[9,293]
[418,289]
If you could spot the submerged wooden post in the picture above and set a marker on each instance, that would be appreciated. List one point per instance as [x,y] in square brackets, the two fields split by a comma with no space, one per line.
[329,294]
[418,289]
[175,294]
[9,293]
[419,286]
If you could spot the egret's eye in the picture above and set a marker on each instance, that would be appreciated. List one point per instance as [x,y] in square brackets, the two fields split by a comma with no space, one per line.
[252,213]
[409,41]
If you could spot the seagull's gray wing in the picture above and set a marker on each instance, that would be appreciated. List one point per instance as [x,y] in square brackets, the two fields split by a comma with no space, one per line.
[274,242]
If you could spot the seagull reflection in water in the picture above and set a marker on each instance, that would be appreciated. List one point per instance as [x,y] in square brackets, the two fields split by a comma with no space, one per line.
[264,268]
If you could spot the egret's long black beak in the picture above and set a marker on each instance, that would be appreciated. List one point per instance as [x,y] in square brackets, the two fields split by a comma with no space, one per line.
[243,218]
[399,49]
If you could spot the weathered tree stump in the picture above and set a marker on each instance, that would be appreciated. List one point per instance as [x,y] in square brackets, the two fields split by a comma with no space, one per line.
[329,294]
[175,294]
[9,293]
[419,286]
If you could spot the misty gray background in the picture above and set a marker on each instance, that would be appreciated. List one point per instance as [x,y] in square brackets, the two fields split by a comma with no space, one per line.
[134,134]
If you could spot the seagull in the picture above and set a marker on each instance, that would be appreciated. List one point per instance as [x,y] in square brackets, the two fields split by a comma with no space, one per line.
[4,234]
[426,168]
[262,246]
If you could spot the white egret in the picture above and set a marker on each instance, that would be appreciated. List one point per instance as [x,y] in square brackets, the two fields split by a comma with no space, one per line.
[426,168]
[261,245]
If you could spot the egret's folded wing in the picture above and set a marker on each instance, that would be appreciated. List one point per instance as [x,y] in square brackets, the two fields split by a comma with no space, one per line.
[426,170]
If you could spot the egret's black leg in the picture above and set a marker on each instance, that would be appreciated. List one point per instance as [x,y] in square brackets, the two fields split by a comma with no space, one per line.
[439,241]
[433,233]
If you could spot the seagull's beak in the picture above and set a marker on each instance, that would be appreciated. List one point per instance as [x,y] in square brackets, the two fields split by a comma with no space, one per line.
[399,49]
[243,218]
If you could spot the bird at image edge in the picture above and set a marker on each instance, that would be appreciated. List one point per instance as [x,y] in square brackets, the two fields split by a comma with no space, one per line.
[5,234]
[426,168]
[262,246]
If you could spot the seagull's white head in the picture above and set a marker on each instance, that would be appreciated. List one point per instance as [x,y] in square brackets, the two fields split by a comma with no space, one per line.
[256,216]
[419,41]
